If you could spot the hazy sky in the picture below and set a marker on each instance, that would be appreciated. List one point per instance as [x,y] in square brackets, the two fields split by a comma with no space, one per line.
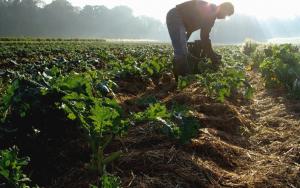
[159,8]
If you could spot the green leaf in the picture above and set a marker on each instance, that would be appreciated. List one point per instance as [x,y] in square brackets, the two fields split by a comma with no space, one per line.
[109,181]
[103,118]
[157,111]
[4,173]
[7,163]
[8,97]
[188,129]
[71,116]
[11,167]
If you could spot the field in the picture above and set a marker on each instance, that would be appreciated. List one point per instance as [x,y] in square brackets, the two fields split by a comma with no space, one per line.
[100,114]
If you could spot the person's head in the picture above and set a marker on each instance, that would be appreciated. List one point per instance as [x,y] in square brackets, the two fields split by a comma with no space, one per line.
[225,9]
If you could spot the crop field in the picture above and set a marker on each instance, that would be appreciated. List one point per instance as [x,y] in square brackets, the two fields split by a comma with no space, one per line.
[88,113]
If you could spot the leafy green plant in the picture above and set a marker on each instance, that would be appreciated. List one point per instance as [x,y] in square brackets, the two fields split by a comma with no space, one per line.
[101,122]
[99,117]
[261,52]
[187,125]
[268,69]
[178,123]
[226,83]
[281,67]
[185,81]
[152,113]
[108,181]
[7,99]
[11,172]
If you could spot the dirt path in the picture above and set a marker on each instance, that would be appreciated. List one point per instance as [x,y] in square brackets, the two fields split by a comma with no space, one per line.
[275,140]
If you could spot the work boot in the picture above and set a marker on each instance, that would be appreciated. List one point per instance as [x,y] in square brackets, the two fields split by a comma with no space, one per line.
[180,67]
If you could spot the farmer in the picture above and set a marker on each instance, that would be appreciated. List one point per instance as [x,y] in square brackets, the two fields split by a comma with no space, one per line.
[188,17]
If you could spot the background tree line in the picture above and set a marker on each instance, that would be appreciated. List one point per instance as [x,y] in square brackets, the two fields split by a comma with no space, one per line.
[61,19]
[33,18]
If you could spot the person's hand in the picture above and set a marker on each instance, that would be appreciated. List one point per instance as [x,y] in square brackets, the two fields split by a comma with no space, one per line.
[218,56]
[216,59]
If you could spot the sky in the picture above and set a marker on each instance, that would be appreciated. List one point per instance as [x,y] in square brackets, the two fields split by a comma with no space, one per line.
[262,9]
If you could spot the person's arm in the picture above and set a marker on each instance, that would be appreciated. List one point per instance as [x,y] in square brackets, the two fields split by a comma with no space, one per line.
[204,35]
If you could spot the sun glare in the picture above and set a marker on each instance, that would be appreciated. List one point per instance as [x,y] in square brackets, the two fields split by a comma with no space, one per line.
[158,8]
[268,9]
